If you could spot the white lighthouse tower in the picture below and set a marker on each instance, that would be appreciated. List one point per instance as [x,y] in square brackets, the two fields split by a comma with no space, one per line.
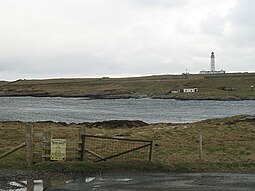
[212,62]
[213,70]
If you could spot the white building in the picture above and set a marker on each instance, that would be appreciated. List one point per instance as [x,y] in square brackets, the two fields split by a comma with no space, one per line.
[212,72]
[189,90]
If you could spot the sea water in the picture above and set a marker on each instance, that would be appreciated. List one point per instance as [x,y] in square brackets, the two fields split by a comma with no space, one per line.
[78,110]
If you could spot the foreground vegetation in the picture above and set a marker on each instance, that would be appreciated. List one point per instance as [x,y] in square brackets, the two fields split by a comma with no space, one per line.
[225,86]
[229,145]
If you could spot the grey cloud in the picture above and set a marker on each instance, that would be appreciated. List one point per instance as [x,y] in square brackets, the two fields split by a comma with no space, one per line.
[184,28]
[242,23]
[213,25]
[109,37]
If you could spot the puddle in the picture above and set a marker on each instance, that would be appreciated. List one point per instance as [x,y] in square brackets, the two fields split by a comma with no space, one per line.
[90,183]
[27,185]
[157,181]
[100,179]
[90,179]
[34,185]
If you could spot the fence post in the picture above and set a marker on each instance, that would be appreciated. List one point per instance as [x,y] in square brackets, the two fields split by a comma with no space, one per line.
[29,145]
[47,136]
[82,143]
[200,145]
[150,156]
[82,147]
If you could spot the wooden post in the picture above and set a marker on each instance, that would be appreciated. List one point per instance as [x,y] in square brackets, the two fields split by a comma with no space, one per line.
[82,131]
[82,141]
[29,145]
[82,147]
[150,154]
[200,145]
[46,183]
[47,143]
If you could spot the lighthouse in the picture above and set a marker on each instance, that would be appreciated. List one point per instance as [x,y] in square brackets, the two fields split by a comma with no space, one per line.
[212,62]
[213,70]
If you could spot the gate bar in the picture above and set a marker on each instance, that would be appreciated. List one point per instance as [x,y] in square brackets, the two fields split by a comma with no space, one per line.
[147,145]
[13,150]
[115,138]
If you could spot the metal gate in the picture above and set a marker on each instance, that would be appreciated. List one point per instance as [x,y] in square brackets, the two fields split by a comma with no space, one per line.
[101,148]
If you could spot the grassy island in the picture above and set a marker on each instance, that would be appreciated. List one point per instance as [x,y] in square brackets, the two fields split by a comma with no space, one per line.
[235,86]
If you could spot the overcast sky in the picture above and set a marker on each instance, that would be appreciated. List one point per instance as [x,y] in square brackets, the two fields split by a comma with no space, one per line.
[95,38]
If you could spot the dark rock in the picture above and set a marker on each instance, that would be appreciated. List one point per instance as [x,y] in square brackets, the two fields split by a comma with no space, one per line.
[119,124]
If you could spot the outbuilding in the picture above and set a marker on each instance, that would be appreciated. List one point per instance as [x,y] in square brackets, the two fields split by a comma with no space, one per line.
[189,90]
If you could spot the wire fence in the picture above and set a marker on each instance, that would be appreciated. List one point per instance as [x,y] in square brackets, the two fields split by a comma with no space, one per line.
[99,148]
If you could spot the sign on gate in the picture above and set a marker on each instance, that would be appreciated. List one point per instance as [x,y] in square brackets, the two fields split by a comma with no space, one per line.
[58,149]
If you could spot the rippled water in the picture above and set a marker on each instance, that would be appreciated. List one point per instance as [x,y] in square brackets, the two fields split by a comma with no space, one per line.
[149,110]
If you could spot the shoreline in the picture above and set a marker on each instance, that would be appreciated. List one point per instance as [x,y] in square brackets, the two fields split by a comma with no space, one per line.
[125,97]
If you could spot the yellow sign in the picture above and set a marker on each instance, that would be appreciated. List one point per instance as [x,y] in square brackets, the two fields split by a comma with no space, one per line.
[58,149]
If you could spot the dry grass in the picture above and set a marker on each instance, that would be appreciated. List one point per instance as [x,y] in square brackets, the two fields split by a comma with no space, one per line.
[226,141]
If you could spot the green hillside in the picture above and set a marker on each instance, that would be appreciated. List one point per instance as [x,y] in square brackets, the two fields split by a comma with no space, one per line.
[224,86]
